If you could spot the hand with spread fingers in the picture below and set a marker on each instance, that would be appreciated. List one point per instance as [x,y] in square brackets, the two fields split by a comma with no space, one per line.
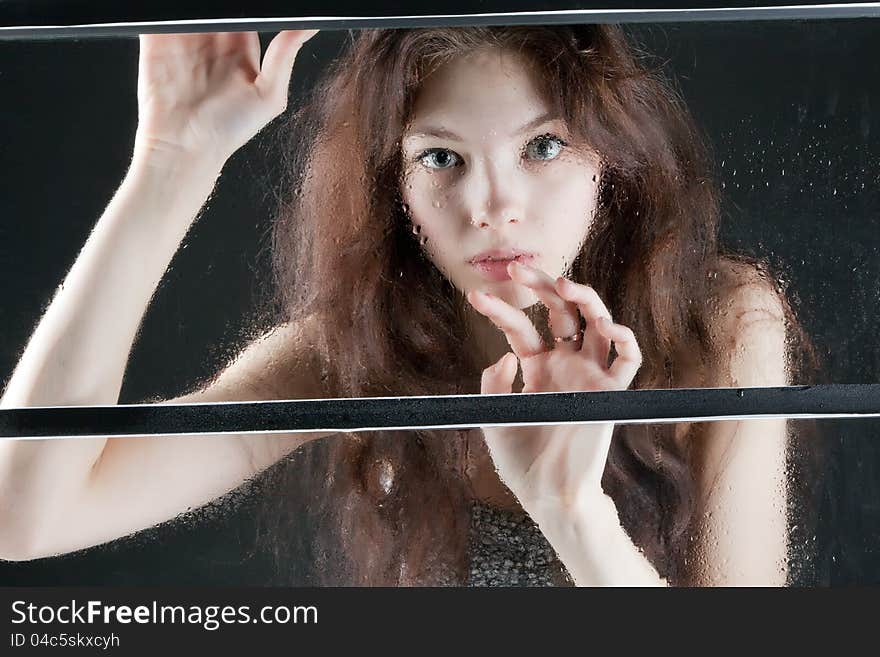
[557,464]
[203,96]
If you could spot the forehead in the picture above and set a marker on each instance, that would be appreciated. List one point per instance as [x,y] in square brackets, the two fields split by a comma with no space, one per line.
[488,89]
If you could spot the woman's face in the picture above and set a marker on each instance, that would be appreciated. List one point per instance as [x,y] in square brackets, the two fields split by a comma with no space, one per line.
[490,172]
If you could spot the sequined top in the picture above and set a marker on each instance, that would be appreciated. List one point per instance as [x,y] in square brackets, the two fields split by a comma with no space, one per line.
[507,548]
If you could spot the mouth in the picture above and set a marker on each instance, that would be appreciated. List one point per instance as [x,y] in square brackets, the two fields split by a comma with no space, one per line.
[493,264]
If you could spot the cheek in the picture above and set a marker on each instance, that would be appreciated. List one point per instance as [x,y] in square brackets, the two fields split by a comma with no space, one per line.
[431,221]
[564,201]
[429,205]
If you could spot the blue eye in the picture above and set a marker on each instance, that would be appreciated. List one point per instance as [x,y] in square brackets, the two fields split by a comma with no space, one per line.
[545,147]
[439,158]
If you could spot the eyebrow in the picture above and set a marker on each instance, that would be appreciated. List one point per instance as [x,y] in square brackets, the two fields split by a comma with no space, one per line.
[431,131]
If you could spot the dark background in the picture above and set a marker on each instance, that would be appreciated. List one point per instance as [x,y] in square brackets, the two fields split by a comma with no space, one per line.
[791,108]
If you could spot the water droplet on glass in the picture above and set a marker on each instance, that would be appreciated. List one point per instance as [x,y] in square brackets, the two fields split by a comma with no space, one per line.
[386,476]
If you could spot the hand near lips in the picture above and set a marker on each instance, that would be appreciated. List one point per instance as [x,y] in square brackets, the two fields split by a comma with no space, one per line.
[556,464]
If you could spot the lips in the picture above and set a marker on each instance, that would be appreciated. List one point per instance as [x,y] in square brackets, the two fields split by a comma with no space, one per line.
[492,264]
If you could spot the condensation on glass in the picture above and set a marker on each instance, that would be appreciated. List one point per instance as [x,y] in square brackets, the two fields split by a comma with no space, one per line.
[720,201]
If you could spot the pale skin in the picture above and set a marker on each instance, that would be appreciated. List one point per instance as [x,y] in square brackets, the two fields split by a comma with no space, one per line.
[57,496]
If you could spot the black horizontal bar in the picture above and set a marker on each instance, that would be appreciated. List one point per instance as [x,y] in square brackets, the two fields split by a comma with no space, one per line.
[71,12]
[44,12]
[449,411]
[321,20]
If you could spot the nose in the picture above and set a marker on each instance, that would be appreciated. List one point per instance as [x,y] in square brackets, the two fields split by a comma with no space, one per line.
[493,196]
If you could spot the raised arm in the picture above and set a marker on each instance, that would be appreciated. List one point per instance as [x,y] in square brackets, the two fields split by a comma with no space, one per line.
[200,97]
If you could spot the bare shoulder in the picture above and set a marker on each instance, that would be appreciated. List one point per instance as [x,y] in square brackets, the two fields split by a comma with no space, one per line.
[746,294]
[749,328]
[280,363]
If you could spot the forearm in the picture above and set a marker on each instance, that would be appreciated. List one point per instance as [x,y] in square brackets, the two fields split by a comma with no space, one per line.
[592,544]
[79,350]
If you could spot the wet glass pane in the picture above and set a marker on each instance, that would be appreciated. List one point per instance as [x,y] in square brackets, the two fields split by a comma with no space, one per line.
[730,503]
[172,232]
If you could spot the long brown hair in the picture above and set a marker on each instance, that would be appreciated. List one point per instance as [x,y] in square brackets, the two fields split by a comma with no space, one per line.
[391,507]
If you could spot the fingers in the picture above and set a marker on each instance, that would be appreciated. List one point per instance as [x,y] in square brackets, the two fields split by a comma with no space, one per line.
[595,344]
[498,378]
[274,78]
[560,298]
[629,356]
[563,315]
[246,45]
[518,329]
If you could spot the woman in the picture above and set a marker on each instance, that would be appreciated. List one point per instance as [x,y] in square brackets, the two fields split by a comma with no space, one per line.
[466,204]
